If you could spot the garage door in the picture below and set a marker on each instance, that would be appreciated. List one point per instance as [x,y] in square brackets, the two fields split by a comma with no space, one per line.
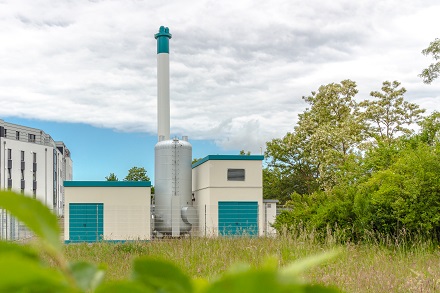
[238,218]
[86,222]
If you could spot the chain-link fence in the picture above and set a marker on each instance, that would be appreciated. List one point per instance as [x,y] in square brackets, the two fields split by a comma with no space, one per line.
[12,229]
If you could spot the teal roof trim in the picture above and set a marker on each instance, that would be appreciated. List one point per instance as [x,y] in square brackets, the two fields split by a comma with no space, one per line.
[107,184]
[228,158]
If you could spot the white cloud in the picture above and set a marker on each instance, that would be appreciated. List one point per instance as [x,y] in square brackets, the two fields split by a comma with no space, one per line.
[238,68]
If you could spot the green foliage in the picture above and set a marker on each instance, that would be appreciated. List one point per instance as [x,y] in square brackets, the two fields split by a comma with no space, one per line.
[23,270]
[195,160]
[111,177]
[396,189]
[433,70]
[357,168]
[137,174]
[45,225]
[389,115]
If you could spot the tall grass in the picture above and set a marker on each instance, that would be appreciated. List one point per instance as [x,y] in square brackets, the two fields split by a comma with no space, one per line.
[378,264]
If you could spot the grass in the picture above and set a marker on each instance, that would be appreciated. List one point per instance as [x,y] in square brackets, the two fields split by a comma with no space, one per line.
[378,266]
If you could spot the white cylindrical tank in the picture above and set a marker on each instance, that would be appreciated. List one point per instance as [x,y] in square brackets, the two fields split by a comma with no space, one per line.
[173,190]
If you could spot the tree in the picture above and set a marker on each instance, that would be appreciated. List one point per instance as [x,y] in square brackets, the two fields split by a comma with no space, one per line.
[331,129]
[289,168]
[389,115]
[195,160]
[111,177]
[430,129]
[433,71]
[137,174]
[243,153]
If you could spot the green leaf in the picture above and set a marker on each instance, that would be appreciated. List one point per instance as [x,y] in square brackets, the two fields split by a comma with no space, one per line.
[86,275]
[301,266]
[21,274]
[25,251]
[319,289]
[160,274]
[34,215]
[250,281]
[123,287]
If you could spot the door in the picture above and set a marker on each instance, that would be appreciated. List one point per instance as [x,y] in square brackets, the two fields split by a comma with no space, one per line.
[86,222]
[238,218]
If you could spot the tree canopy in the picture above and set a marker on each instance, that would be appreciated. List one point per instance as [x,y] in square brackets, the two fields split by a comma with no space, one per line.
[137,174]
[358,167]
[111,177]
[433,70]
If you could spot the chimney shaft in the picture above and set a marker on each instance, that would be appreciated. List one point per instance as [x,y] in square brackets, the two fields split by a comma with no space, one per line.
[163,83]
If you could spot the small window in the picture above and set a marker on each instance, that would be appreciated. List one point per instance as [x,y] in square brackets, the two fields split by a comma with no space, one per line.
[236,175]
[9,154]
[17,135]
[22,156]
[32,137]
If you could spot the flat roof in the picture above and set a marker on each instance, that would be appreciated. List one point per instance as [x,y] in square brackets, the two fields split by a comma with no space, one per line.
[228,158]
[107,184]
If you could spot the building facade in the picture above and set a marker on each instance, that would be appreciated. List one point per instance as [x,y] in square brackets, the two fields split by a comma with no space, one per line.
[33,164]
[228,195]
[107,210]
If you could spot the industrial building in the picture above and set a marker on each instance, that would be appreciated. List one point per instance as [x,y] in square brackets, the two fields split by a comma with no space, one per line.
[107,210]
[220,195]
[33,164]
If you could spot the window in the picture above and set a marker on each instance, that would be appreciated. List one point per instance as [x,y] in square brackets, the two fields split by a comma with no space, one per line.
[9,154]
[32,137]
[236,175]
[35,157]
[5,133]
[22,156]
[17,135]
[22,174]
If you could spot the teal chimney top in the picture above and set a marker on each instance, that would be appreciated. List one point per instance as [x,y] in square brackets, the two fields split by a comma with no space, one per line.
[163,37]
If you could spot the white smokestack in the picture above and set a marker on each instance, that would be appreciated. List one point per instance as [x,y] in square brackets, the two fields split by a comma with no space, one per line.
[163,83]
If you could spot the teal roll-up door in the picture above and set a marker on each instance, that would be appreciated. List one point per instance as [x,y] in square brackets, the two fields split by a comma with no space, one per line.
[238,218]
[86,222]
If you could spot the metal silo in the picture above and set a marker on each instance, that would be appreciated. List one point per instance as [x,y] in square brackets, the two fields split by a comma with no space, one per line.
[173,194]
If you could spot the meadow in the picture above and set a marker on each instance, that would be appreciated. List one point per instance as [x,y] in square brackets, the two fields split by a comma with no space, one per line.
[379,265]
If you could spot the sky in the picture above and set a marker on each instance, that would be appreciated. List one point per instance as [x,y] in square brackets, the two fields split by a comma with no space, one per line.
[85,71]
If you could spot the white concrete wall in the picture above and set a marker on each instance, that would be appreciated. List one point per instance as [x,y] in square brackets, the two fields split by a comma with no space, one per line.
[44,174]
[219,172]
[270,216]
[126,210]
[210,185]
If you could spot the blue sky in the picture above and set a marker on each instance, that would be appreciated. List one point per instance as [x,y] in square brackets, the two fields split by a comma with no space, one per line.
[97,152]
[85,71]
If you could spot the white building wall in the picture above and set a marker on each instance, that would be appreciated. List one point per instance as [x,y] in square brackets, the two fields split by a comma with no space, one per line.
[43,174]
[34,141]
[211,185]
[270,211]
[126,210]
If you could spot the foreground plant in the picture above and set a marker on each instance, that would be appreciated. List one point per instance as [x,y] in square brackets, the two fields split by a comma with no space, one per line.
[23,270]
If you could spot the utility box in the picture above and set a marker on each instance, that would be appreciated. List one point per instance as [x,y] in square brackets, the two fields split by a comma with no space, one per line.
[228,195]
[270,215]
[106,211]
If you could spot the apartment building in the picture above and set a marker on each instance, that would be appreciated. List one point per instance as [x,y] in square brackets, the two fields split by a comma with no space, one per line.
[33,164]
